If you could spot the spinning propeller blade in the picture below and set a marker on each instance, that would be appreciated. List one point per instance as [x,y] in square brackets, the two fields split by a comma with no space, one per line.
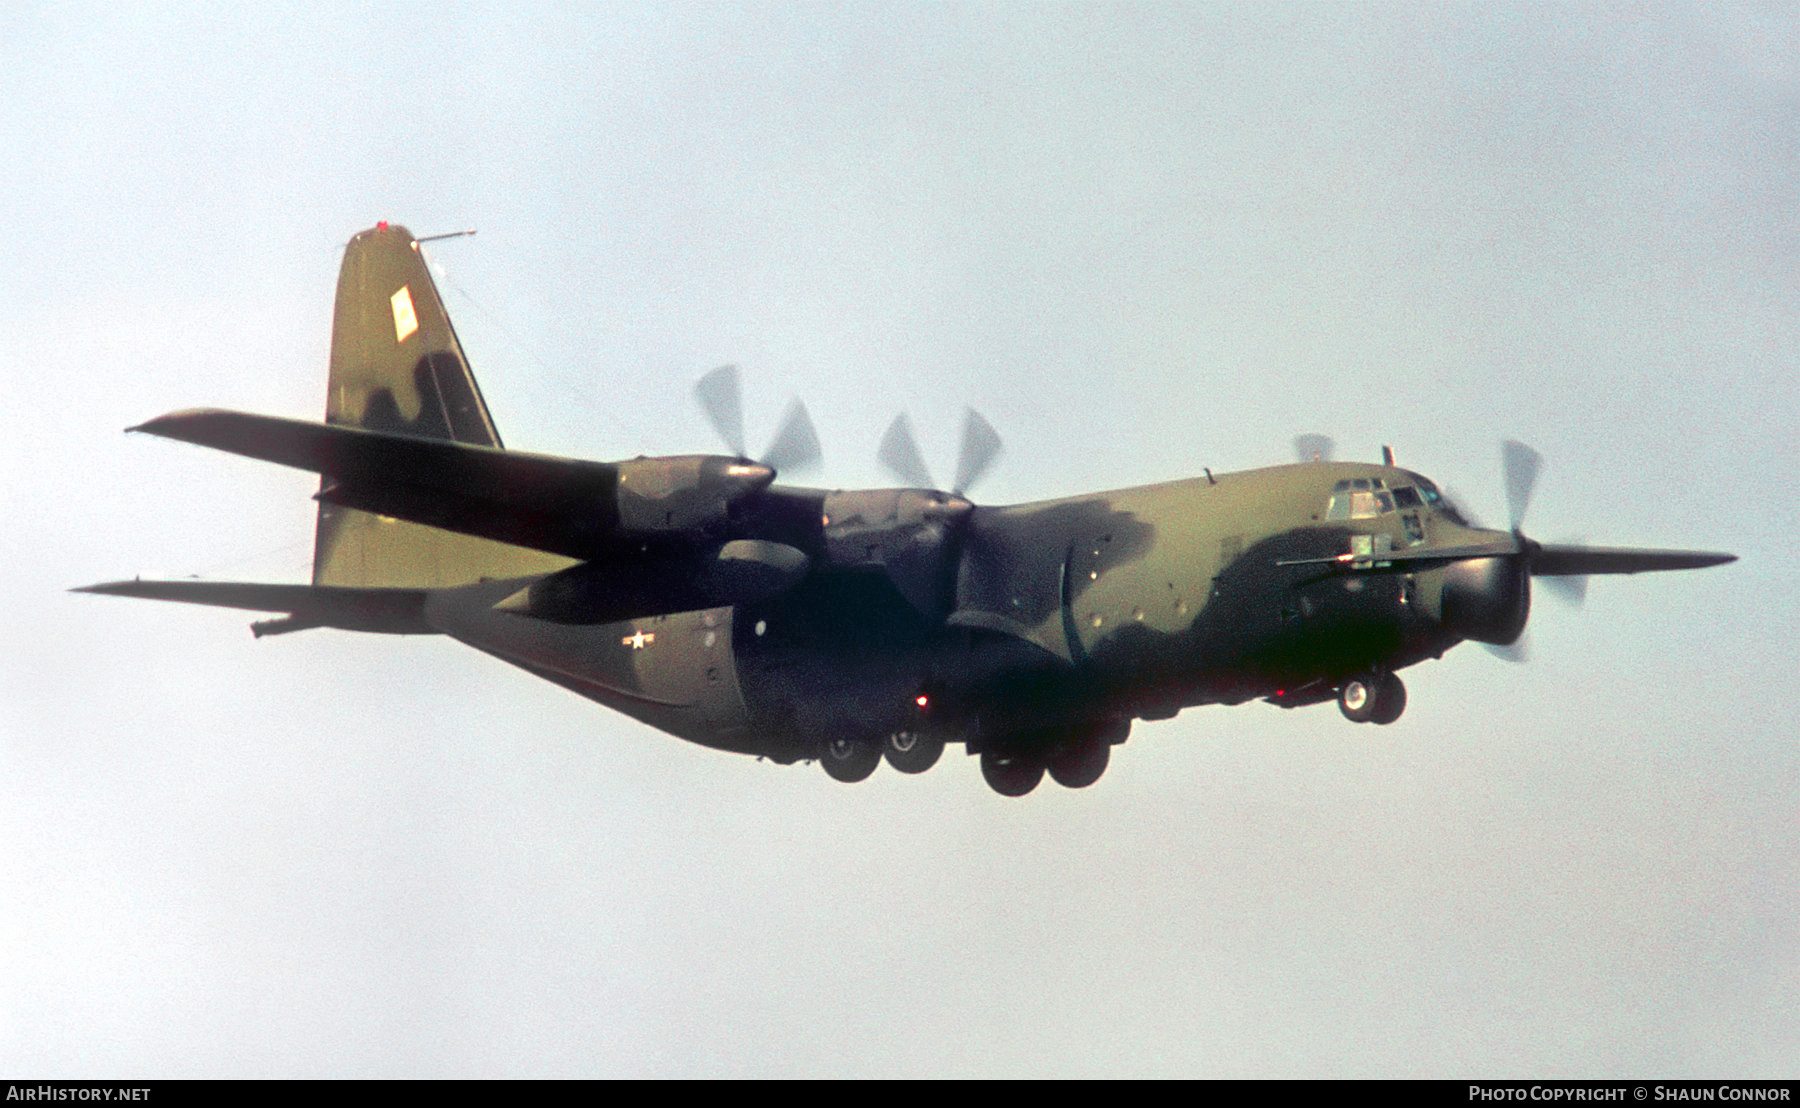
[899,452]
[1313,447]
[980,447]
[721,396]
[795,446]
[1520,464]
[1567,566]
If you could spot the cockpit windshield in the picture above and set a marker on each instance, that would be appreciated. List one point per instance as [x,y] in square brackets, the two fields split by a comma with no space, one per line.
[1370,497]
[1360,498]
[1436,500]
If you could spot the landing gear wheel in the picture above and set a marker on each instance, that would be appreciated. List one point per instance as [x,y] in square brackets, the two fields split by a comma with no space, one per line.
[1375,698]
[1081,762]
[1011,774]
[1357,699]
[912,751]
[850,760]
[1391,700]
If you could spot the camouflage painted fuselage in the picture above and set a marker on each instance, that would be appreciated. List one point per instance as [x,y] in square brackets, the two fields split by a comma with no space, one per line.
[1131,603]
[694,594]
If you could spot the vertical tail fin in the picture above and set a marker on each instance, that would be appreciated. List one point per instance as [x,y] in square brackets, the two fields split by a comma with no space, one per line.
[396,366]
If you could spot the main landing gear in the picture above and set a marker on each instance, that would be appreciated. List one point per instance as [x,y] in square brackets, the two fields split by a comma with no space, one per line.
[854,759]
[1075,757]
[850,760]
[1372,698]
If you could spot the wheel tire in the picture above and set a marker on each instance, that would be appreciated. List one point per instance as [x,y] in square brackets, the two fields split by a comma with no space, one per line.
[1357,699]
[1011,774]
[912,751]
[850,760]
[1390,700]
[1081,762]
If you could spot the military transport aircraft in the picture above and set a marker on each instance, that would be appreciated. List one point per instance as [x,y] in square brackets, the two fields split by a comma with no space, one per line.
[698,596]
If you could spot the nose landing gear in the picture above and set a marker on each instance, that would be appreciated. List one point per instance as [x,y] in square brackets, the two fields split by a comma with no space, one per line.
[1375,698]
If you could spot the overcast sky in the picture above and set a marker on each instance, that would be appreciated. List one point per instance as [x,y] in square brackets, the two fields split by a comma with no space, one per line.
[1141,240]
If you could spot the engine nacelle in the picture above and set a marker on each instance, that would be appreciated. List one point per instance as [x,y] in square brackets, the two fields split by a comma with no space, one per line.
[904,533]
[684,494]
[1484,599]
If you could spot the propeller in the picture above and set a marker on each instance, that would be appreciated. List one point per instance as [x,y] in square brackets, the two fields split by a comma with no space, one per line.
[899,453]
[1313,447]
[1498,601]
[1521,464]
[1570,590]
[795,445]
[1515,652]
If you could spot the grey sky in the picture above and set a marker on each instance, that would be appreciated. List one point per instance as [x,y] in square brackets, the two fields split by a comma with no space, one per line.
[1142,240]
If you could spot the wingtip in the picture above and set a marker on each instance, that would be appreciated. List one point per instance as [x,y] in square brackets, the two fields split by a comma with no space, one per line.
[160,425]
[103,588]
[1706,559]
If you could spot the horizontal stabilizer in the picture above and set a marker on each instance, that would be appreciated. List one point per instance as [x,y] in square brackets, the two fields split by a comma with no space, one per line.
[391,611]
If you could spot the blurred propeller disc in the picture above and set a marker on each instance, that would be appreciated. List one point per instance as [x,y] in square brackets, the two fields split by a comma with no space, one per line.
[1313,447]
[1570,590]
[1461,506]
[980,446]
[899,452]
[1515,652]
[796,445]
[721,396]
[1521,464]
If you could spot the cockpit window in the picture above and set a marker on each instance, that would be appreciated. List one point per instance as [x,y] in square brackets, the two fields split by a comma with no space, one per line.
[1436,500]
[1369,497]
[1359,498]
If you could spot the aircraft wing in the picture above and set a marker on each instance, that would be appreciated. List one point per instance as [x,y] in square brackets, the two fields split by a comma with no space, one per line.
[1545,559]
[1562,560]
[564,506]
[394,611]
